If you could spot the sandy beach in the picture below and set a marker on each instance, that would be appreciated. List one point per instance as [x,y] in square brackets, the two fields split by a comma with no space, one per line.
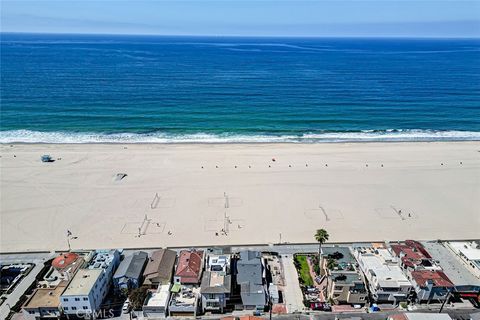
[214,194]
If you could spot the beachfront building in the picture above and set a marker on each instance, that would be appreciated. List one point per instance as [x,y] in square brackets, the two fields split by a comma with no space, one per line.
[156,303]
[345,283]
[469,252]
[44,303]
[159,269]
[184,301]
[217,262]
[216,283]
[429,281]
[129,273]
[413,256]
[386,281]
[465,283]
[250,276]
[85,293]
[65,265]
[190,267]
[430,285]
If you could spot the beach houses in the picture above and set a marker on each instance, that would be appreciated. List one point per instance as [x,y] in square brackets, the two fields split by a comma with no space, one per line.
[159,268]
[469,252]
[430,285]
[429,281]
[85,293]
[156,303]
[250,276]
[386,280]
[129,273]
[465,283]
[184,301]
[216,283]
[344,282]
[412,256]
[190,267]
[44,303]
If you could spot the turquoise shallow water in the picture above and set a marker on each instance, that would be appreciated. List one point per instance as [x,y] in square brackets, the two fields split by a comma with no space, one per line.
[74,88]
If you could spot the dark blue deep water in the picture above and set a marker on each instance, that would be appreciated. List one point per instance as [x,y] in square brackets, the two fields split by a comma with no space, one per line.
[79,88]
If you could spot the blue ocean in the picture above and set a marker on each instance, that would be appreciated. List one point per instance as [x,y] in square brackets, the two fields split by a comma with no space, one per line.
[99,88]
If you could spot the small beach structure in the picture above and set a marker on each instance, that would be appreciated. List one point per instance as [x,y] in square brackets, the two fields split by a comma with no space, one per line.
[120,176]
[46,158]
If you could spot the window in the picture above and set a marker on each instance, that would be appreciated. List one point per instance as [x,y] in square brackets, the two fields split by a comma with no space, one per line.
[65,308]
[85,298]
[85,307]
[65,299]
[77,299]
[213,304]
[31,312]
[74,308]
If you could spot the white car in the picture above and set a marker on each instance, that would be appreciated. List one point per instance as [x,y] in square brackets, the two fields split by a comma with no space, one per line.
[126,306]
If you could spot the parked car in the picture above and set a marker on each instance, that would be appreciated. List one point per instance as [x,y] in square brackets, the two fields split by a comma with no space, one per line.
[320,306]
[126,306]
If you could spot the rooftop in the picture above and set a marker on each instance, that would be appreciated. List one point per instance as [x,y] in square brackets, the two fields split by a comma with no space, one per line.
[160,265]
[452,267]
[411,252]
[470,250]
[439,279]
[64,260]
[342,255]
[250,273]
[186,297]
[132,265]
[160,297]
[102,259]
[190,264]
[382,265]
[218,262]
[215,282]
[82,282]
[46,297]
[346,278]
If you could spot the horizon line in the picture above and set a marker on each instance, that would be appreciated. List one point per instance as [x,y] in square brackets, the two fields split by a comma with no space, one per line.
[245,36]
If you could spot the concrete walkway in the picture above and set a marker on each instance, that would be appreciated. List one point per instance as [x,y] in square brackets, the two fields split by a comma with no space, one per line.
[293,294]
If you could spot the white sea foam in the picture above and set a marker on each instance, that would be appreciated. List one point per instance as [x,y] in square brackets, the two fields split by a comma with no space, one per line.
[27,136]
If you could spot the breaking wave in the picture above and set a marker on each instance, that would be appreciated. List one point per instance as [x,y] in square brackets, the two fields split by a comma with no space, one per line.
[28,136]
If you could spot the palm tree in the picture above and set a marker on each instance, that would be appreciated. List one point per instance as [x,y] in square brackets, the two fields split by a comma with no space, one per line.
[321,236]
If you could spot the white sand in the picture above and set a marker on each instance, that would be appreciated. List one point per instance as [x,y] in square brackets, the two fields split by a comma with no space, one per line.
[40,201]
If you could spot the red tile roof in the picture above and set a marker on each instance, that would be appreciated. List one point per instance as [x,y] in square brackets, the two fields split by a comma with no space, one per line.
[412,253]
[438,278]
[189,267]
[64,260]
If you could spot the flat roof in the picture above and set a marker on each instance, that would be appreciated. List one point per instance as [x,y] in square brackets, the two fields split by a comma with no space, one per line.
[160,297]
[469,249]
[455,270]
[346,254]
[83,282]
[346,277]
[387,273]
[187,296]
[46,297]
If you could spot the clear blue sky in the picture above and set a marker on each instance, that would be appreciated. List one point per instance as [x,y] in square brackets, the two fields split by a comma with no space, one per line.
[431,18]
